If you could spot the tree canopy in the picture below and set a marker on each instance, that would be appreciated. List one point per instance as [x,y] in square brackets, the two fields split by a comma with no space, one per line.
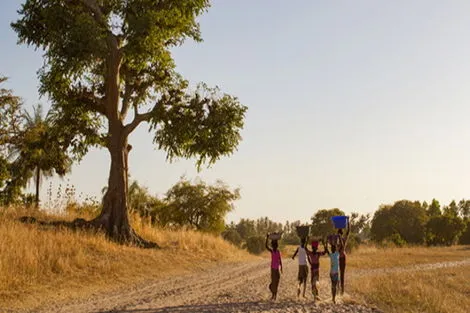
[108,68]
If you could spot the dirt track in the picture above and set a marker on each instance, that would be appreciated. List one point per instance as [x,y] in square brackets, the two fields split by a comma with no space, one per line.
[228,288]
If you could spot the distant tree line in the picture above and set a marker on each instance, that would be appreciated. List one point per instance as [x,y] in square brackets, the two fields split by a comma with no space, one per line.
[413,222]
[251,234]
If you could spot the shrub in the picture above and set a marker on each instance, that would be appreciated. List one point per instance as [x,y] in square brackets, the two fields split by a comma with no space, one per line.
[231,235]
[255,244]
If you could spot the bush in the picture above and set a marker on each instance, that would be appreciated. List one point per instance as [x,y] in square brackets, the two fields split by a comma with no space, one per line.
[255,244]
[465,237]
[395,240]
[231,235]
[444,230]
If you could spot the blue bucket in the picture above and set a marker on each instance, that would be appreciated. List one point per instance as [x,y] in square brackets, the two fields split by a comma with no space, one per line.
[340,221]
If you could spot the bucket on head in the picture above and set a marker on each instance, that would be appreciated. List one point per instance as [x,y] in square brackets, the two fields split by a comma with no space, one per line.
[340,221]
[302,231]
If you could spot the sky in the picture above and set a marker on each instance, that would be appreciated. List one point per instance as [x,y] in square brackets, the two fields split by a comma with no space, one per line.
[352,104]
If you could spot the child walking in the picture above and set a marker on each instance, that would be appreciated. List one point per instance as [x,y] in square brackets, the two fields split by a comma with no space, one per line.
[314,260]
[334,269]
[276,266]
[303,268]
[343,240]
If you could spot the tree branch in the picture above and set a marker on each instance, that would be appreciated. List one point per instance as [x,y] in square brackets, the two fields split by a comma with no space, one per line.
[139,118]
[89,100]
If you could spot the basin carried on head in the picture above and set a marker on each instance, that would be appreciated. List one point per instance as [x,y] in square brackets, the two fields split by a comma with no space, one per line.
[340,221]
[275,236]
[302,231]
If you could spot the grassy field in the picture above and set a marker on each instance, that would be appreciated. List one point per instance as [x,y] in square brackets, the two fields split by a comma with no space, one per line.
[434,291]
[38,264]
[396,280]
[417,288]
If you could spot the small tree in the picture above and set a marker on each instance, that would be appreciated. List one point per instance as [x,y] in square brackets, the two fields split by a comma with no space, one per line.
[200,206]
[37,152]
[107,58]
[322,224]
[434,209]
[255,244]
[246,228]
[231,235]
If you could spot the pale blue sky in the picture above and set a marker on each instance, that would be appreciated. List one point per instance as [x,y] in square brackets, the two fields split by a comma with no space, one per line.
[351,103]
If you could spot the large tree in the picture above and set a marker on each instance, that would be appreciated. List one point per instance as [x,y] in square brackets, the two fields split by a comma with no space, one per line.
[108,68]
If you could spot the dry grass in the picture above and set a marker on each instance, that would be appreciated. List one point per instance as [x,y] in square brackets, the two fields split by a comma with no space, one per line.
[58,264]
[371,257]
[433,291]
[438,290]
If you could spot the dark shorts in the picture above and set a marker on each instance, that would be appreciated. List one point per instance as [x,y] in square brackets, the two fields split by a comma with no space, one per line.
[303,273]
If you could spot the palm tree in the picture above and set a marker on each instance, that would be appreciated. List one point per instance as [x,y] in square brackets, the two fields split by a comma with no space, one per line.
[39,154]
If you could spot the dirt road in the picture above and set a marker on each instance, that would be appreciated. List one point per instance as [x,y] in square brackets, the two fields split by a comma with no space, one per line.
[228,288]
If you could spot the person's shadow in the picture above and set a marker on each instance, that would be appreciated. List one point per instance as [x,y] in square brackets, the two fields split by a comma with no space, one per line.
[255,306]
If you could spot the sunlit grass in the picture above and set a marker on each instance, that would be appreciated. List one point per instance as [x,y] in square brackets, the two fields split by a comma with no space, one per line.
[40,264]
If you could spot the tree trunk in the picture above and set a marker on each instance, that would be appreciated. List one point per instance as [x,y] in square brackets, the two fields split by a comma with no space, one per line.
[114,217]
[38,181]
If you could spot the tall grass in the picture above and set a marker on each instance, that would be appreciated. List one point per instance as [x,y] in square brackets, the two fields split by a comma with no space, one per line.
[418,289]
[433,291]
[38,263]
[371,257]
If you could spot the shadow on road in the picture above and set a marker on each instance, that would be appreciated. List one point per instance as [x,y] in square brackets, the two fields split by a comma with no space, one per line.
[254,306]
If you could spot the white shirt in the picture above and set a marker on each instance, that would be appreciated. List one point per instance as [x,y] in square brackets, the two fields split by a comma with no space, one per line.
[302,256]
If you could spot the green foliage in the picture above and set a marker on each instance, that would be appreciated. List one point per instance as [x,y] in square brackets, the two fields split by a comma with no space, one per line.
[395,239]
[405,218]
[410,222]
[465,237]
[194,205]
[444,230]
[451,210]
[256,244]
[231,235]
[107,58]
[289,236]
[434,209]
[464,209]
[37,154]
[322,224]
[11,119]
[246,228]
[199,205]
